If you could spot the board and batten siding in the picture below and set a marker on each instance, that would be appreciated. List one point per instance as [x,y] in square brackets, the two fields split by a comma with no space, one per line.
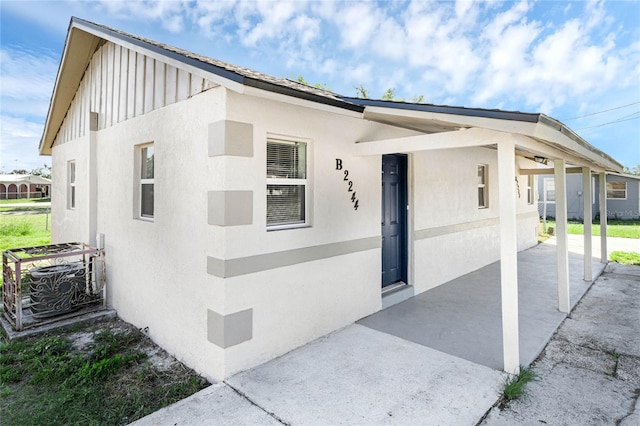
[120,84]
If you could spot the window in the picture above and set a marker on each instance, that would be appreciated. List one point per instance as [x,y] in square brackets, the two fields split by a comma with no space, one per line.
[71,185]
[549,190]
[146,182]
[483,201]
[286,183]
[617,190]
[530,189]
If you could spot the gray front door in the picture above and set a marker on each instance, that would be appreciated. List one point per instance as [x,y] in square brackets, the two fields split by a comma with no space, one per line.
[394,219]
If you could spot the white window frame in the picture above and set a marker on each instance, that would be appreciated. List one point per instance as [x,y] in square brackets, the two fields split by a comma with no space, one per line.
[530,189]
[139,181]
[290,181]
[484,186]
[608,188]
[545,190]
[71,184]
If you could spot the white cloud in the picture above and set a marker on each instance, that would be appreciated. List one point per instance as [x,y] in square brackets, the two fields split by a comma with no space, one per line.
[357,23]
[27,80]
[19,148]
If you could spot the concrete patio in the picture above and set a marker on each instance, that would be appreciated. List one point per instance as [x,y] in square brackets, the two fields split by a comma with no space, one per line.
[463,317]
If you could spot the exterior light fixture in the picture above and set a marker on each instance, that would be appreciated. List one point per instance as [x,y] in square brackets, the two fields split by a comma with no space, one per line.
[540,160]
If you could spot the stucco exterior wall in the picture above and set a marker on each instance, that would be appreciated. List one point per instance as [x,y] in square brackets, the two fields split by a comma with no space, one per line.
[69,224]
[452,235]
[295,304]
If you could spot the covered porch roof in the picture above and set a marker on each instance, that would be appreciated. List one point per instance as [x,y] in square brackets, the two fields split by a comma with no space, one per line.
[444,127]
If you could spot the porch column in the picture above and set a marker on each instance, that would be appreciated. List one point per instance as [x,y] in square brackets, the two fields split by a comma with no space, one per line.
[508,256]
[587,219]
[604,256]
[562,247]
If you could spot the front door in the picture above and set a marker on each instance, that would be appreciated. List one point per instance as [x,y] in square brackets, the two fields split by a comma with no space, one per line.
[394,218]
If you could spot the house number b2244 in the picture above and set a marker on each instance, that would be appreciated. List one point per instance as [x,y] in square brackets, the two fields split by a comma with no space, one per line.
[350,189]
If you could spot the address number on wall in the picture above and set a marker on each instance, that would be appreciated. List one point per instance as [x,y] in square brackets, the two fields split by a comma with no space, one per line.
[349,183]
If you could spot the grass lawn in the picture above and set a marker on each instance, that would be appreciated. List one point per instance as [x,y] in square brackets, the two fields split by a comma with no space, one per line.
[25,200]
[625,257]
[106,374]
[615,228]
[24,230]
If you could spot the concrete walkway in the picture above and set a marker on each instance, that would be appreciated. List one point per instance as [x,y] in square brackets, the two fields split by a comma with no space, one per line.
[376,372]
[589,374]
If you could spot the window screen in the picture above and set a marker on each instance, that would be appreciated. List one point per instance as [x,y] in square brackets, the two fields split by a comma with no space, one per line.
[286,182]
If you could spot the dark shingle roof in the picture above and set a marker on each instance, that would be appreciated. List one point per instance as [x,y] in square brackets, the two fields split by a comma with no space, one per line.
[232,72]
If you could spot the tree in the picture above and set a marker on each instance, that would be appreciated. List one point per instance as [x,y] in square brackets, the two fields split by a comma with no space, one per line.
[322,86]
[635,170]
[44,171]
[388,95]
[361,92]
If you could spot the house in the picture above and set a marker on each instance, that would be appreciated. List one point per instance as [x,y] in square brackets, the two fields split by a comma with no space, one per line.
[623,196]
[244,215]
[23,186]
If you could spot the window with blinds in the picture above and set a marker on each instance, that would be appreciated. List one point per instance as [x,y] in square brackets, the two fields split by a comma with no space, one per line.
[617,190]
[286,182]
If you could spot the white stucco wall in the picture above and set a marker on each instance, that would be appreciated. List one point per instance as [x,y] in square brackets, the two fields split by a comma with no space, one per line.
[465,237]
[69,225]
[296,304]
[156,270]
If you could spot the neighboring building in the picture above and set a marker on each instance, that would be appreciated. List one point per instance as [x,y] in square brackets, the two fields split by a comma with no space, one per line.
[623,196]
[241,213]
[24,186]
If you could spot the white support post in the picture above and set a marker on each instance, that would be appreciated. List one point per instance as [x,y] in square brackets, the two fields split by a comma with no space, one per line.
[508,256]
[587,219]
[604,256]
[562,247]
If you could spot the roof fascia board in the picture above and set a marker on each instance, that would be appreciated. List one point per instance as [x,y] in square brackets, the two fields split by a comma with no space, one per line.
[553,135]
[218,75]
[463,138]
[443,109]
[311,102]
[512,126]
[63,90]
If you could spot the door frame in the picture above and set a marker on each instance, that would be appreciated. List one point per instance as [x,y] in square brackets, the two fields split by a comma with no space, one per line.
[405,196]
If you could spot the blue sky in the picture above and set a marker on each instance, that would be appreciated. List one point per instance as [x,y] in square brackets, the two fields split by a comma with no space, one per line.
[578,62]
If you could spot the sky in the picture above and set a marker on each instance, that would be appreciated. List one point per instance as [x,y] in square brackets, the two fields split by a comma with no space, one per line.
[576,61]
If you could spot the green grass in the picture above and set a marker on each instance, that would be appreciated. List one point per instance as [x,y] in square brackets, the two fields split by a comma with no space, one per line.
[25,200]
[47,380]
[24,230]
[625,257]
[615,228]
[515,385]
